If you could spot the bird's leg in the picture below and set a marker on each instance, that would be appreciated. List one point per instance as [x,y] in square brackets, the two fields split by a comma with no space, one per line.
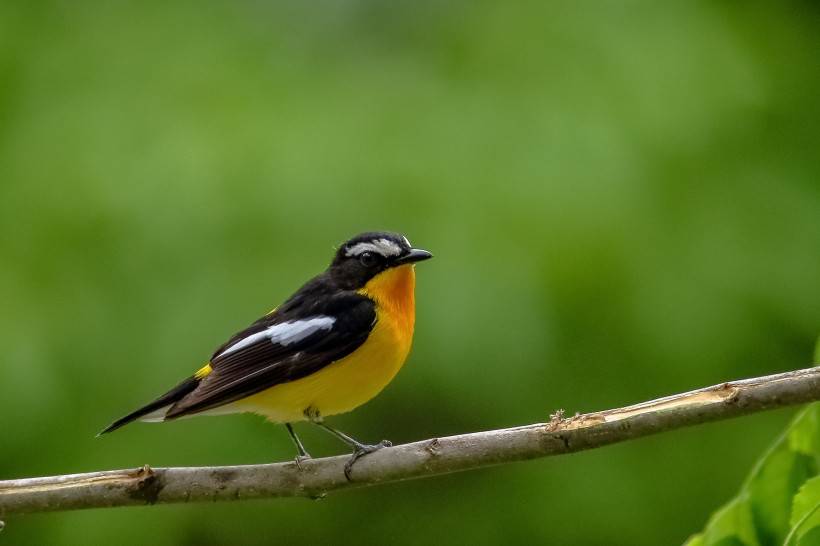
[303,455]
[359,449]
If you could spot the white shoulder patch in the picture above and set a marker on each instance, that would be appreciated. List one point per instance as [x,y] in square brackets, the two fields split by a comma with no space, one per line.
[284,333]
[384,247]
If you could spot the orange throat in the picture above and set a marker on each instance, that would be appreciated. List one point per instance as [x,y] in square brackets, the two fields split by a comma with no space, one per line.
[393,291]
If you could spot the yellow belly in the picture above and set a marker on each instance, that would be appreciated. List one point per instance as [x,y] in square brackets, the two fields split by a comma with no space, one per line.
[356,378]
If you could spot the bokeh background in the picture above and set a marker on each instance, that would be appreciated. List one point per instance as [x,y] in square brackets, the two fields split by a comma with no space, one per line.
[623,200]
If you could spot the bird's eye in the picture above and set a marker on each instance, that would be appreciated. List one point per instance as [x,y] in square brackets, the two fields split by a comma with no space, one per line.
[368,259]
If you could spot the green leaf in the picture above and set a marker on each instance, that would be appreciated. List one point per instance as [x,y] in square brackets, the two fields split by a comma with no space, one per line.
[778,499]
[803,434]
[732,524]
[695,540]
[806,500]
[771,490]
[805,514]
[811,538]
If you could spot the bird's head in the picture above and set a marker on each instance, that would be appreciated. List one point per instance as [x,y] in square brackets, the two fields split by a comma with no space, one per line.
[368,254]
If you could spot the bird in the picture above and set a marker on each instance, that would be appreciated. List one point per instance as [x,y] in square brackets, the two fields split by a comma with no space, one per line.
[329,348]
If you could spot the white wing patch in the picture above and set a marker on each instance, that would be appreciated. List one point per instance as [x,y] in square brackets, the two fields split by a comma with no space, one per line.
[284,333]
[385,247]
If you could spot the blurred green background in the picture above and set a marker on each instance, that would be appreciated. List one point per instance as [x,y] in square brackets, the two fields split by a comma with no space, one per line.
[623,200]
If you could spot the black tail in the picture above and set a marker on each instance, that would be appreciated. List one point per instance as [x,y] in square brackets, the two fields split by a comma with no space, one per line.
[166,399]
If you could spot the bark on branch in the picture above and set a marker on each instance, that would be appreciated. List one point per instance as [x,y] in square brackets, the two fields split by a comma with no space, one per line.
[317,477]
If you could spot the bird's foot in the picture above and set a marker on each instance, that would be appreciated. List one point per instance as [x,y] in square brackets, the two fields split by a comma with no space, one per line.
[360,451]
[299,459]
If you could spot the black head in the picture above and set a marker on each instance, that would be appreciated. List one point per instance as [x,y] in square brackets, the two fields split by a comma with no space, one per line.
[366,255]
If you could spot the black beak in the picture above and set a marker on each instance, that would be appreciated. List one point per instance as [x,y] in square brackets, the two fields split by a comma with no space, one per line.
[415,255]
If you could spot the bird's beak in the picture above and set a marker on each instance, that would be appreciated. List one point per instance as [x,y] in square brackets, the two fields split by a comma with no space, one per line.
[415,255]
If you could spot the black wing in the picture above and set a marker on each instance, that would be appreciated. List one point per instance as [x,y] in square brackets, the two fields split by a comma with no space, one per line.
[298,339]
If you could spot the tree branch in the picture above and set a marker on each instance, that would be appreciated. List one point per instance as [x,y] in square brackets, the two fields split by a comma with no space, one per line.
[317,477]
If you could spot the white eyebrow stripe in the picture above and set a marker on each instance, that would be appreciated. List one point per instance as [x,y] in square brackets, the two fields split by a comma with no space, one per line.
[284,333]
[385,247]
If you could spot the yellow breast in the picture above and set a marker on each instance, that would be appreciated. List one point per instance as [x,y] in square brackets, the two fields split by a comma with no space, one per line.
[350,382]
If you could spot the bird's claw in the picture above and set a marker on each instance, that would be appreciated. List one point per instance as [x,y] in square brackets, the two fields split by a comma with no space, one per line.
[299,459]
[361,451]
